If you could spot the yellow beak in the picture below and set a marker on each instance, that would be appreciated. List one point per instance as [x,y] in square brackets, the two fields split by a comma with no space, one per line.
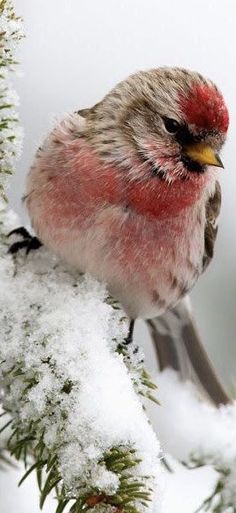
[203,154]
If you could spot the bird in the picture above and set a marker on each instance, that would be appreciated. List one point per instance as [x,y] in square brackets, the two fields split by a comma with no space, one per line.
[128,191]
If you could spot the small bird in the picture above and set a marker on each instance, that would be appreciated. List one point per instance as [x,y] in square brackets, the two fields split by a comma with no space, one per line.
[128,190]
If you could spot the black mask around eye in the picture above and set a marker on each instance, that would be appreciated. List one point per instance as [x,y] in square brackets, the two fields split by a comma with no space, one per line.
[180,131]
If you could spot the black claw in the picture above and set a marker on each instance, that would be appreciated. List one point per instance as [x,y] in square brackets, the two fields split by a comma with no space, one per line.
[20,231]
[14,248]
[29,242]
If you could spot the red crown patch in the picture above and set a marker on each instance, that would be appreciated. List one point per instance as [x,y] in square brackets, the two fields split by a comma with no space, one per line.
[205,108]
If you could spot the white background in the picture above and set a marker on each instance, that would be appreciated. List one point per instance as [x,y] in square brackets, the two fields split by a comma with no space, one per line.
[74,52]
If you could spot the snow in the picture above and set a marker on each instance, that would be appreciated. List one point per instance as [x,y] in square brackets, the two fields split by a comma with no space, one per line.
[61,332]
[197,432]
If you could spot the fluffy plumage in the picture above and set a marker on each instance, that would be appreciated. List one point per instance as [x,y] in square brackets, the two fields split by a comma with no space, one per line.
[117,190]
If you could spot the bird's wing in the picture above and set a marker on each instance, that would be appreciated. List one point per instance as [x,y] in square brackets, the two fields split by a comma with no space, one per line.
[175,334]
[179,346]
[212,212]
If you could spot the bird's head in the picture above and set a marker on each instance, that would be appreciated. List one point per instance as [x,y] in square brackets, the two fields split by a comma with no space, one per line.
[168,123]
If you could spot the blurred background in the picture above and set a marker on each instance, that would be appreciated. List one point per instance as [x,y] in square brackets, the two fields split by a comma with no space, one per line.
[76,50]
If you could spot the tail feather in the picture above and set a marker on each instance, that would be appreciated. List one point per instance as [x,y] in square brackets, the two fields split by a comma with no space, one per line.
[178,345]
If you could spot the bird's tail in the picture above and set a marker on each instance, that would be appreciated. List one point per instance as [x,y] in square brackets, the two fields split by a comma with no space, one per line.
[178,345]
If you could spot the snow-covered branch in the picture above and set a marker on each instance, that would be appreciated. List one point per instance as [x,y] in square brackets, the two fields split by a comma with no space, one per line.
[72,387]
[10,132]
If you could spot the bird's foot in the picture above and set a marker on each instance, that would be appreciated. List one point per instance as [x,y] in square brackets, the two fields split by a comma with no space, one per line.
[28,241]
[129,339]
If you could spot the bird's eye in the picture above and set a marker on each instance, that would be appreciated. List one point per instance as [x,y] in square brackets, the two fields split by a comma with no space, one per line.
[172,126]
